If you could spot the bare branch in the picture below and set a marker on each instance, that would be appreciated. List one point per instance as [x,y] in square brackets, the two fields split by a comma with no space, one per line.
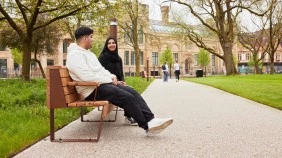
[60,17]
[35,15]
[22,11]
[11,21]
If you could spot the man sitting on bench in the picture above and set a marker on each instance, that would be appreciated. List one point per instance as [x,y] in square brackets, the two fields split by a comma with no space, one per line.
[83,65]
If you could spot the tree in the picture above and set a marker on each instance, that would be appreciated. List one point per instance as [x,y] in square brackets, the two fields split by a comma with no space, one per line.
[253,63]
[268,37]
[97,48]
[203,58]
[17,56]
[256,44]
[23,17]
[132,24]
[166,56]
[97,16]
[222,16]
[44,41]
[274,32]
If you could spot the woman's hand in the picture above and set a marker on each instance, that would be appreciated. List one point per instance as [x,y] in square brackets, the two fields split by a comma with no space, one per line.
[121,82]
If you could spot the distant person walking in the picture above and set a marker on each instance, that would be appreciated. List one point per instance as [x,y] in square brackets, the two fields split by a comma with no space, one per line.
[176,71]
[165,71]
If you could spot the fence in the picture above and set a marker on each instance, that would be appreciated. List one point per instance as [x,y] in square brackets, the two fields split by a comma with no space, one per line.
[16,73]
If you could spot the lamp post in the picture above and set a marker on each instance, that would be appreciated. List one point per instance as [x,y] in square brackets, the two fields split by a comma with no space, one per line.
[147,64]
[113,28]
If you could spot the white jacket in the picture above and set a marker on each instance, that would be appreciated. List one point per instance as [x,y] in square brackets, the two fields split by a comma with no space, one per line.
[83,65]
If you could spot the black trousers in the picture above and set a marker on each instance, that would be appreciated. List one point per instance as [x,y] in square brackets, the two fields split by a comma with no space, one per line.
[177,73]
[127,98]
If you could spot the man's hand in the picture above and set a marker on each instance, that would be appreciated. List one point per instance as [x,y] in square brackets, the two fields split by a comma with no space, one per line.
[115,81]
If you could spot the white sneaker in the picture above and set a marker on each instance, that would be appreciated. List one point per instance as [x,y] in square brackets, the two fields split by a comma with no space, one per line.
[157,125]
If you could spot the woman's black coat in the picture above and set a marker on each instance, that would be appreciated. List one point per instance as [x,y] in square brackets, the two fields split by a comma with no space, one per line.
[112,61]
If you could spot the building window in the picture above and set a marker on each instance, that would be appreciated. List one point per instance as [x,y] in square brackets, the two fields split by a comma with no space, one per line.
[132,58]
[33,64]
[65,46]
[155,58]
[195,59]
[175,56]
[141,58]
[64,62]
[213,59]
[126,58]
[277,57]
[247,56]
[239,57]
[3,68]
[50,62]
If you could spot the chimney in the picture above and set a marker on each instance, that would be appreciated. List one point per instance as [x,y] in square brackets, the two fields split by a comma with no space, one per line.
[165,10]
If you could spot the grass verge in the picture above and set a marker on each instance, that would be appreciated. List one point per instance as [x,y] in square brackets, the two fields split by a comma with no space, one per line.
[24,116]
[265,89]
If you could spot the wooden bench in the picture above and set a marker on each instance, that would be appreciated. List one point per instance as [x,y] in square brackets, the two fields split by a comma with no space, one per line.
[61,93]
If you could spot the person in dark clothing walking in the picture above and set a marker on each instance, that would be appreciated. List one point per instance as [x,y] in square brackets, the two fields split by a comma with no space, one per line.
[112,62]
[83,65]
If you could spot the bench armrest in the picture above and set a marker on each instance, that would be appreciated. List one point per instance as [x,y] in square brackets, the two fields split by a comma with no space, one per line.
[80,83]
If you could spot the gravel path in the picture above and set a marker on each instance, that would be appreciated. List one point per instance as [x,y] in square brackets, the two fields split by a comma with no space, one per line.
[207,123]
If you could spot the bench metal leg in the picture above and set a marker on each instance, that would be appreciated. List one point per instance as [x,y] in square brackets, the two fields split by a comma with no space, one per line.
[52,131]
[52,126]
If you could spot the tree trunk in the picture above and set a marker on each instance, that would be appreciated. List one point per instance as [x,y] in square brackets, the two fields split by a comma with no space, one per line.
[41,68]
[228,60]
[271,65]
[26,60]
[257,69]
[137,61]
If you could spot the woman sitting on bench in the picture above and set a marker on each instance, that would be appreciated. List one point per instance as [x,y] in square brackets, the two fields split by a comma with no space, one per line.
[112,62]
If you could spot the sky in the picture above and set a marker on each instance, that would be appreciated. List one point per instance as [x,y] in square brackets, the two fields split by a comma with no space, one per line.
[154,9]
[155,13]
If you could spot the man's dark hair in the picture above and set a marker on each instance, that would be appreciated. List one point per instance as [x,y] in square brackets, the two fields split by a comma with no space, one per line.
[82,31]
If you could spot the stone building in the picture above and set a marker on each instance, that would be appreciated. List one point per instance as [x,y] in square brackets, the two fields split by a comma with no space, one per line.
[153,40]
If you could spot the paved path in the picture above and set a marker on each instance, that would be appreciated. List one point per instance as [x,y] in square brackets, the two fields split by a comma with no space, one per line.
[207,123]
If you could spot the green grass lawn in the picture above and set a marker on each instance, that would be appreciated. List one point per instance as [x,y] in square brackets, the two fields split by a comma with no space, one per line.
[25,117]
[265,89]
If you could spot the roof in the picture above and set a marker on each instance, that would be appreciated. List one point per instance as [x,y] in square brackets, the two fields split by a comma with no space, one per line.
[160,26]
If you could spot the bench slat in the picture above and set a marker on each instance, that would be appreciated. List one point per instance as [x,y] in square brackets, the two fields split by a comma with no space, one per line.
[69,89]
[64,72]
[71,98]
[66,80]
[88,103]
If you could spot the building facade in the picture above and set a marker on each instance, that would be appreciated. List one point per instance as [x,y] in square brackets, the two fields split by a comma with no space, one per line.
[153,40]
